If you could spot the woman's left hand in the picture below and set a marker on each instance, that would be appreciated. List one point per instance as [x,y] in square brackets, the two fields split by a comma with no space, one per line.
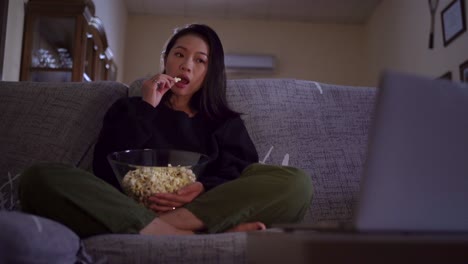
[164,202]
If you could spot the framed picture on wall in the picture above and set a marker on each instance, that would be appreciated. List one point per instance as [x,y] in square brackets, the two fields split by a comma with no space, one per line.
[453,21]
[464,72]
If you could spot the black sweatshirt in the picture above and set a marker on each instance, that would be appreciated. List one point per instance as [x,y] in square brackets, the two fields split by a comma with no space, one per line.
[131,123]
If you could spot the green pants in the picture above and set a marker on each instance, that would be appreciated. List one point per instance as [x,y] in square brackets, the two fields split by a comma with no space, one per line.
[89,206]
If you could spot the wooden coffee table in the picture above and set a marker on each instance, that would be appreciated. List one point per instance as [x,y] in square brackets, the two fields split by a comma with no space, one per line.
[277,246]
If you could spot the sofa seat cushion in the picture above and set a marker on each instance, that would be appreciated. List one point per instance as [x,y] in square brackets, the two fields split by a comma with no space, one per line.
[223,248]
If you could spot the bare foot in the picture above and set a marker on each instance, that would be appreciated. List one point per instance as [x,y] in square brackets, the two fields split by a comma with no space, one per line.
[159,227]
[183,222]
[176,222]
[245,227]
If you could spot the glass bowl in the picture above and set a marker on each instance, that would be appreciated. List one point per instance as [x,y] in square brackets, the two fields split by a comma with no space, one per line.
[144,172]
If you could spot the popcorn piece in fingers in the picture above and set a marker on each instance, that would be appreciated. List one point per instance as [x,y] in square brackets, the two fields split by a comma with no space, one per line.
[177,79]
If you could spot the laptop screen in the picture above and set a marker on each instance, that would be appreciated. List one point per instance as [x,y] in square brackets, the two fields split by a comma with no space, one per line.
[416,175]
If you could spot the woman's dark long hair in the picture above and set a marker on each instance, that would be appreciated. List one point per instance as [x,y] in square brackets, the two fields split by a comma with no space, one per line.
[210,100]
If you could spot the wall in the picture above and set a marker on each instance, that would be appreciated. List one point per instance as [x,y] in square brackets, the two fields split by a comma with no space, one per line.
[398,39]
[113,14]
[13,41]
[3,22]
[321,52]
[395,37]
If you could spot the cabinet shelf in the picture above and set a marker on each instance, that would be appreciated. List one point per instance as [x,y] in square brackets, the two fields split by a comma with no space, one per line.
[39,69]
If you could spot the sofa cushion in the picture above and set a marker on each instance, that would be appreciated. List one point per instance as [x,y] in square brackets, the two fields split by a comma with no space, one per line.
[55,122]
[321,127]
[32,239]
[223,248]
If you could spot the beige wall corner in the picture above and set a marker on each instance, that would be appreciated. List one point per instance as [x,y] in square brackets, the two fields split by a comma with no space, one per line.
[113,14]
[14,40]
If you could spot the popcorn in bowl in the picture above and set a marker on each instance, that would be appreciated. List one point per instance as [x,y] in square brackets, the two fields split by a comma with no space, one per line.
[142,173]
[144,182]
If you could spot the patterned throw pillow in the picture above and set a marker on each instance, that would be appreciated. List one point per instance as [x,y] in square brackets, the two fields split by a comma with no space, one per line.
[9,199]
[29,238]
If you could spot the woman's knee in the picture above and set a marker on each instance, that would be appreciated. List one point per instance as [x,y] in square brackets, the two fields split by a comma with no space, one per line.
[41,176]
[38,172]
[290,181]
[288,196]
[298,184]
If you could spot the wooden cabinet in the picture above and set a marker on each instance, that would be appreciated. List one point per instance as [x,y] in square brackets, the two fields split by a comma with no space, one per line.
[64,41]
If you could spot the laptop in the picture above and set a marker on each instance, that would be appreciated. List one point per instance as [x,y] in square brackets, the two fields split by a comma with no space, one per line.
[416,173]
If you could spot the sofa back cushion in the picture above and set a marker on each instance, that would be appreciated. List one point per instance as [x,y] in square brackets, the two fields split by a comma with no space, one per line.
[322,128]
[55,122]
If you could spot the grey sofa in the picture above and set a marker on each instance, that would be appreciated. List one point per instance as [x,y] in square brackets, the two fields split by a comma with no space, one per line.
[318,127]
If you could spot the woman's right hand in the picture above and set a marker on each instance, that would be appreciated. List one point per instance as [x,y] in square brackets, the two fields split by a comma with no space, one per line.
[155,87]
[164,202]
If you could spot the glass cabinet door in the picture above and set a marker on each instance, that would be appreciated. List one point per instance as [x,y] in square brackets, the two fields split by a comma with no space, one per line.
[63,41]
[51,53]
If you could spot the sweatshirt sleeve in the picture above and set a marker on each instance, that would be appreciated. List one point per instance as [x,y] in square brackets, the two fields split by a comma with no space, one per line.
[234,150]
[126,125]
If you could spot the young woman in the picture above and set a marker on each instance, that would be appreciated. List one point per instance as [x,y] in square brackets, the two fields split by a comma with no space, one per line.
[234,193]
